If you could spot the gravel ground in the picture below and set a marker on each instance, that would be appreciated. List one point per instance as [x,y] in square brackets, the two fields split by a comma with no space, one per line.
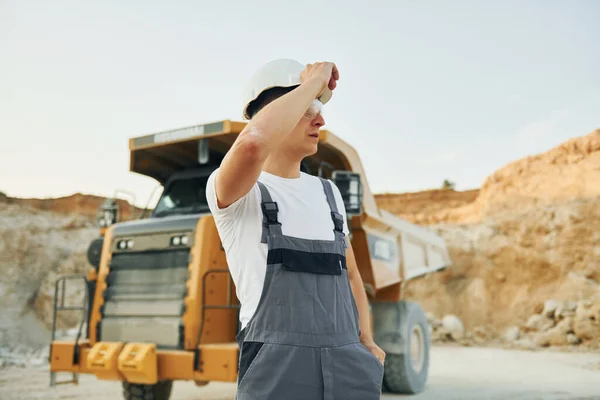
[456,373]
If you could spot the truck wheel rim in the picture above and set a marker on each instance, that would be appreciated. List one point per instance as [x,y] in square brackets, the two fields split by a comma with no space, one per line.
[417,348]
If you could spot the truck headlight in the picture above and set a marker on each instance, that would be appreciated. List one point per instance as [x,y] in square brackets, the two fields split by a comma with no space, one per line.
[180,240]
[125,244]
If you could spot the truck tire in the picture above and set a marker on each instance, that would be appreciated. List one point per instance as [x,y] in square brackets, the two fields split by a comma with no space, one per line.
[159,391]
[407,372]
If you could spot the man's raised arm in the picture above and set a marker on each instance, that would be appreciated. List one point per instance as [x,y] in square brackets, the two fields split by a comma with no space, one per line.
[243,164]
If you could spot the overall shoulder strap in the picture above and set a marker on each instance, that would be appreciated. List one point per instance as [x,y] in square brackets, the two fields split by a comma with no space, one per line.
[270,226]
[338,219]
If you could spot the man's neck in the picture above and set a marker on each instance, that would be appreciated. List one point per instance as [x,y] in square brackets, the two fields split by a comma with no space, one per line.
[283,166]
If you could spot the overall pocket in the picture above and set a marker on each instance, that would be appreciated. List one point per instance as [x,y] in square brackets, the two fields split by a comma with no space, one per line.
[249,353]
[358,372]
[378,373]
[371,355]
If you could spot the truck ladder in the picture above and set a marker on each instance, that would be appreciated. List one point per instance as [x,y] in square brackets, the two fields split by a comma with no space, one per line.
[59,291]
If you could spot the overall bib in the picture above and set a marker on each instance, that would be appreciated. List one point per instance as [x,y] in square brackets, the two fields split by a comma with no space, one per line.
[302,343]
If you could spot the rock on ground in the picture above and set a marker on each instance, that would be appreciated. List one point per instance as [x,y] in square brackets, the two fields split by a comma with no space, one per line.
[550,307]
[433,321]
[512,334]
[572,339]
[556,336]
[526,344]
[539,322]
[587,320]
[454,326]
[565,309]
[587,329]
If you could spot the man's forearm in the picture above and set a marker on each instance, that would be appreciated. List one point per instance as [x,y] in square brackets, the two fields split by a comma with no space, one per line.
[270,126]
[362,303]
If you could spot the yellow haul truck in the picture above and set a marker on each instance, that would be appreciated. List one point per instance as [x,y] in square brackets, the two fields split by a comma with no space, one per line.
[161,305]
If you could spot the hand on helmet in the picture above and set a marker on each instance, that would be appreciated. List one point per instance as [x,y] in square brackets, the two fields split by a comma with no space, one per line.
[326,73]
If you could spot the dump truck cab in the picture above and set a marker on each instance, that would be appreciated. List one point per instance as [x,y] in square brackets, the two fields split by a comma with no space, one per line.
[161,302]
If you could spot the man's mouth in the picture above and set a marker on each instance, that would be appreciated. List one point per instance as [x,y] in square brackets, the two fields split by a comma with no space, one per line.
[315,135]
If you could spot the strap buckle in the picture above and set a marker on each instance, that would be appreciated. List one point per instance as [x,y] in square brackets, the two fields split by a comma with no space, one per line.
[270,210]
[338,221]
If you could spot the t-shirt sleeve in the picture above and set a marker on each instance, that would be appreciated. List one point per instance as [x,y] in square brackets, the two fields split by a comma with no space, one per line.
[211,197]
[341,207]
[232,211]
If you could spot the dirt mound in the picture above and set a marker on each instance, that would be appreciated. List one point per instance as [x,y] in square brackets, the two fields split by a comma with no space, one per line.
[76,204]
[532,233]
[567,172]
[505,265]
[36,247]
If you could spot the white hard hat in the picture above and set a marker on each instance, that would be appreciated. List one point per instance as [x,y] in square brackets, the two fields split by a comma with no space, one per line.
[283,73]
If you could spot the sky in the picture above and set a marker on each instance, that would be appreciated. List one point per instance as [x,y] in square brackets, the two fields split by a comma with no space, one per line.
[428,90]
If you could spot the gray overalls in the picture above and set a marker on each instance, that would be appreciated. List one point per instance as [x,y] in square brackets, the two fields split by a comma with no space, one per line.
[303,340]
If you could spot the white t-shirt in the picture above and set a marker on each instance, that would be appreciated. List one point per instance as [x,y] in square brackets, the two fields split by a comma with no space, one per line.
[303,212]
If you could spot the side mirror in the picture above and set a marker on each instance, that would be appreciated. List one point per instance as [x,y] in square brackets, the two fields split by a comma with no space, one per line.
[351,189]
[107,215]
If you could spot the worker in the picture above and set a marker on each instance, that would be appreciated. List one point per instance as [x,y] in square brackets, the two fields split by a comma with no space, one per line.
[304,316]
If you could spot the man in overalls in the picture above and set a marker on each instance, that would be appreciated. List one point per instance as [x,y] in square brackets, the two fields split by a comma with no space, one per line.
[304,312]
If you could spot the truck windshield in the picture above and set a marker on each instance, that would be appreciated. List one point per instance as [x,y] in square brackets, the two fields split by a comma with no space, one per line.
[183,196]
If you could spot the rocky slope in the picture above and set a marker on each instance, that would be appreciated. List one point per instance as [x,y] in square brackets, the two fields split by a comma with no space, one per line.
[35,247]
[532,234]
[504,266]
[41,239]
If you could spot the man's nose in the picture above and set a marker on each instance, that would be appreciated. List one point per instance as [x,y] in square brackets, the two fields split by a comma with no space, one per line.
[318,120]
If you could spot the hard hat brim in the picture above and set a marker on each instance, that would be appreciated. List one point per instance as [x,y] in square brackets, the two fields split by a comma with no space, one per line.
[253,101]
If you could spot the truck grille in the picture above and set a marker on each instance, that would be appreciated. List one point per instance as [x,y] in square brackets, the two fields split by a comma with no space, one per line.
[143,301]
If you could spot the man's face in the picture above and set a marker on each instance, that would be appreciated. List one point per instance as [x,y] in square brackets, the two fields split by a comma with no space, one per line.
[304,139]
